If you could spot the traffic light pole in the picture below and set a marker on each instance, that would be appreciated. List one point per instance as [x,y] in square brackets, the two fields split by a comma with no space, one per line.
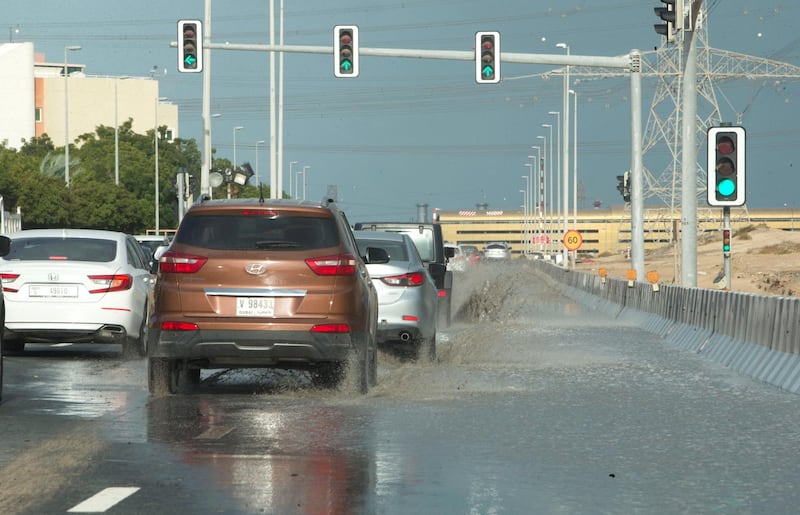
[630,62]
[726,254]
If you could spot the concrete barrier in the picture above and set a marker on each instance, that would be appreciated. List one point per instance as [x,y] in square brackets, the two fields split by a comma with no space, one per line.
[758,335]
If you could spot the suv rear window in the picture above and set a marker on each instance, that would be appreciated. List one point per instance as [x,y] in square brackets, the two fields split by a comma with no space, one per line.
[251,232]
[63,249]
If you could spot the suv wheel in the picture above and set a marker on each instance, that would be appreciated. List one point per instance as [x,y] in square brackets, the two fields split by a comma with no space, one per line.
[163,376]
[426,350]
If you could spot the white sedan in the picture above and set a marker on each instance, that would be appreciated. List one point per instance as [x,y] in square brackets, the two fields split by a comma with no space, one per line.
[76,285]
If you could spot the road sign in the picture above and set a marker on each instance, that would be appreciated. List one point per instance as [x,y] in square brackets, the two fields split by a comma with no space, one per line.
[572,240]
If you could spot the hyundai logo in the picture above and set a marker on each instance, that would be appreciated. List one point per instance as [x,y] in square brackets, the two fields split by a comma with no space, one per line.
[255,268]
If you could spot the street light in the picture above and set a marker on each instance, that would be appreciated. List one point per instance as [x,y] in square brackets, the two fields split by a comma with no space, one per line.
[291,177]
[116,129]
[574,158]
[305,175]
[549,157]
[537,193]
[296,177]
[238,128]
[258,182]
[565,149]
[156,138]
[526,210]
[66,112]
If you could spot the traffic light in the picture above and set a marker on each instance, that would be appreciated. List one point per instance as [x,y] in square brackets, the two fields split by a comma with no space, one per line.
[190,46]
[487,57]
[345,51]
[624,186]
[726,166]
[672,15]
[726,240]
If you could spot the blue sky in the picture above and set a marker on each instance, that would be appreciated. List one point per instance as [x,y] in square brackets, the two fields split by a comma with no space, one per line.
[410,131]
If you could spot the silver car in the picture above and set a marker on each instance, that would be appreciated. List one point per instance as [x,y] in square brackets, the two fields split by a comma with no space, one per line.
[407,295]
[498,250]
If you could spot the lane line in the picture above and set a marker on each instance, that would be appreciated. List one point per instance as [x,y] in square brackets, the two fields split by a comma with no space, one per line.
[103,500]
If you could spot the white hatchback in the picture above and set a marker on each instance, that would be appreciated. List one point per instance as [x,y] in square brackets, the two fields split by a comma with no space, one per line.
[76,285]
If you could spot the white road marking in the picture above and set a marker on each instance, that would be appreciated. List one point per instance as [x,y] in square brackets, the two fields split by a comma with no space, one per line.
[103,500]
[214,433]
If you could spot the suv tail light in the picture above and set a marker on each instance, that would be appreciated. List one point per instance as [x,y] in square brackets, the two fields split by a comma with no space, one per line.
[412,279]
[342,264]
[177,263]
[109,283]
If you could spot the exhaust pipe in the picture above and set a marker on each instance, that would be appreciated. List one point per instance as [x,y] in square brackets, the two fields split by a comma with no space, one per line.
[405,336]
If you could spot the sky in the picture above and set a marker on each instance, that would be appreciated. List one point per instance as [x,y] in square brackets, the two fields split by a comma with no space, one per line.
[413,131]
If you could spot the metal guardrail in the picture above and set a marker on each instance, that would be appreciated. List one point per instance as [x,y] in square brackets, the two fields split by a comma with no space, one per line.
[758,335]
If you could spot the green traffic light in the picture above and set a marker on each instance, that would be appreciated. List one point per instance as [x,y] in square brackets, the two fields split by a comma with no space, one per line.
[488,72]
[346,65]
[726,187]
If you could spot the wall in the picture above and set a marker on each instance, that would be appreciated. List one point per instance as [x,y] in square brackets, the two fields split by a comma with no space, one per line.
[16,93]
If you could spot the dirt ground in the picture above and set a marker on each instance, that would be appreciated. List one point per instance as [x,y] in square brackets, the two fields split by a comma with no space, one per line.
[763,260]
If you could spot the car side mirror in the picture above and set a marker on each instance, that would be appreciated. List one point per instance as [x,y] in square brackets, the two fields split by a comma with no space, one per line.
[376,255]
[159,252]
[437,269]
[449,252]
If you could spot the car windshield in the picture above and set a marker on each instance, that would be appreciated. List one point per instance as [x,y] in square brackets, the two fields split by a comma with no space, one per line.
[63,249]
[251,232]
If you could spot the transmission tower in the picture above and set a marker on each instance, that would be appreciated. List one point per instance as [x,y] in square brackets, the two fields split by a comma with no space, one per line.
[663,127]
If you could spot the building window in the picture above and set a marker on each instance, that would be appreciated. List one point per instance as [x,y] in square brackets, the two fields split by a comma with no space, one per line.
[38,114]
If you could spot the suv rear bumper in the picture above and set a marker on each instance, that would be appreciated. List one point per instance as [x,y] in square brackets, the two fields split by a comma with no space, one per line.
[251,348]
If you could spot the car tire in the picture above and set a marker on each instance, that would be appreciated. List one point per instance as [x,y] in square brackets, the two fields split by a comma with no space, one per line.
[373,362]
[357,377]
[136,347]
[162,376]
[425,350]
[13,346]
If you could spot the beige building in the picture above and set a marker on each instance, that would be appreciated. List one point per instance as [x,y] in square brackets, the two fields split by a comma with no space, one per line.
[37,98]
[604,231]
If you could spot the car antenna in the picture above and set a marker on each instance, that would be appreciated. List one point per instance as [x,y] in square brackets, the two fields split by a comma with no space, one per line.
[260,192]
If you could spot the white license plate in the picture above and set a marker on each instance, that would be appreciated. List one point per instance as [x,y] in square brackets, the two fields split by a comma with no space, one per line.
[255,306]
[52,290]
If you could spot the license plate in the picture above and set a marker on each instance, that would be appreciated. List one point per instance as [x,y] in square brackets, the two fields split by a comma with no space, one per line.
[255,306]
[52,290]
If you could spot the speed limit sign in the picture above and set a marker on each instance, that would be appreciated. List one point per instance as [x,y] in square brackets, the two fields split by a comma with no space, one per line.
[572,240]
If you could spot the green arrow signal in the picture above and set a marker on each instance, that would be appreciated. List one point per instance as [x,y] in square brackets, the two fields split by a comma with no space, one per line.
[488,71]
[346,65]
[190,60]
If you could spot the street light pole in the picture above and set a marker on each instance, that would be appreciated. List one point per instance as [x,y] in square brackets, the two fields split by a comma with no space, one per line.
[238,128]
[526,212]
[305,175]
[565,151]
[66,111]
[258,181]
[116,129]
[550,189]
[574,159]
[291,178]
[537,188]
[157,189]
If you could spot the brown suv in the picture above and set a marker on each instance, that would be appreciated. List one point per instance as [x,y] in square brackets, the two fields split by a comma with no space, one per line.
[263,283]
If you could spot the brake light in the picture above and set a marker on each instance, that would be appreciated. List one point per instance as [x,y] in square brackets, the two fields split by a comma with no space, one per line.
[412,279]
[331,328]
[9,278]
[177,263]
[441,293]
[171,325]
[260,212]
[109,283]
[343,264]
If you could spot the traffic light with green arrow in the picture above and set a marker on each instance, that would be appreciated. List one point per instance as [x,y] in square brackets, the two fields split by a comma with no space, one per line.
[190,46]
[487,57]
[345,51]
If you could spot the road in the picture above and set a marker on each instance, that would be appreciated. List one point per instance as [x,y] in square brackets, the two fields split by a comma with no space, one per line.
[536,405]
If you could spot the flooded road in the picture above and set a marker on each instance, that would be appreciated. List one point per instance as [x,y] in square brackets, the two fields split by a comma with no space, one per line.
[535,405]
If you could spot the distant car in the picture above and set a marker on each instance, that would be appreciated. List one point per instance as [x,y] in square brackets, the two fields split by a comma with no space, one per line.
[407,296]
[5,247]
[497,250]
[75,285]
[250,283]
[471,253]
[458,261]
